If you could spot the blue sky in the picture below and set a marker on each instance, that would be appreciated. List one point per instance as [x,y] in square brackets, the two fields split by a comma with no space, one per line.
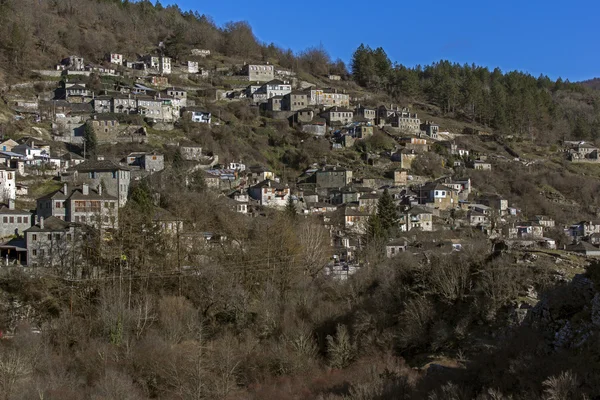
[556,38]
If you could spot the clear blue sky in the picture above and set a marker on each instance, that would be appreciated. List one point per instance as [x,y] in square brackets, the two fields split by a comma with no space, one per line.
[556,38]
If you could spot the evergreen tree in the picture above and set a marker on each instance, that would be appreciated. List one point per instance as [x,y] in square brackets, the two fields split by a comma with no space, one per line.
[374,229]
[90,140]
[290,208]
[387,213]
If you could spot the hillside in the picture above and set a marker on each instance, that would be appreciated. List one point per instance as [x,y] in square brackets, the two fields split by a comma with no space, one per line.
[189,213]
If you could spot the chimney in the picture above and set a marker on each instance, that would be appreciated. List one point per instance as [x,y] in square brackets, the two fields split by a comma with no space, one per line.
[65,188]
[41,222]
[11,204]
[100,190]
[86,189]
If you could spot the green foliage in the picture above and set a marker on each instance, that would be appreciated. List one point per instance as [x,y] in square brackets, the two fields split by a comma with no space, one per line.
[141,199]
[90,140]
[374,228]
[290,209]
[387,213]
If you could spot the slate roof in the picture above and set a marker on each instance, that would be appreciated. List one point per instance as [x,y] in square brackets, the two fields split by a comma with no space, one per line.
[50,224]
[98,165]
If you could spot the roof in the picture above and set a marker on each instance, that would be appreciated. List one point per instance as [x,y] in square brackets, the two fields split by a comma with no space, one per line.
[98,165]
[276,82]
[50,224]
[436,186]
[583,247]
[338,109]
[4,210]
[269,183]
[71,156]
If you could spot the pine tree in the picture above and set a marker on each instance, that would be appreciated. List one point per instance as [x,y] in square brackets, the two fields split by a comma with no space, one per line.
[290,208]
[374,228]
[90,140]
[387,213]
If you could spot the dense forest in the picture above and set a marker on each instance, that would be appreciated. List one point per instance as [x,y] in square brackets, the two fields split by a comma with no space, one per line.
[510,103]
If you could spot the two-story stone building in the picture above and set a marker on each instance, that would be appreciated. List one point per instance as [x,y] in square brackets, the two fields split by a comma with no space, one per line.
[114,178]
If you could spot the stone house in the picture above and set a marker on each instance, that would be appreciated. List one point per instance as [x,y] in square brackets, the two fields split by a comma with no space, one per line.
[275,103]
[124,104]
[315,128]
[482,165]
[431,129]
[113,177]
[327,97]
[584,229]
[8,145]
[150,162]
[355,220]
[331,177]
[74,63]
[400,118]
[337,114]
[477,218]
[400,177]
[395,247]
[270,193]
[524,230]
[295,101]
[77,92]
[369,114]
[304,115]
[416,218]
[259,73]
[191,152]
[368,202]
[271,89]
[102,104]
[104,126]
[405,157]
[69,160]
[544,221]
[80,204]
[13,221]
[585,248]
[363,131]
[52,242]
[438,196]
[156,108]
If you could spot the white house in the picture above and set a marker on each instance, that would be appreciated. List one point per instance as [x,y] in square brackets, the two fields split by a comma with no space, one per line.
[197,115]
[8,187]
[270,193]
[116,59]
[192,67]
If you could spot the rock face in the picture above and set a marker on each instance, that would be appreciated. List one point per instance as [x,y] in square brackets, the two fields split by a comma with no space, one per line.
[568,315]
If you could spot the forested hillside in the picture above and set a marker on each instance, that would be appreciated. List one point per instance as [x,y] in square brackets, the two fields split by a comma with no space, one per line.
[38,34]
[511,103]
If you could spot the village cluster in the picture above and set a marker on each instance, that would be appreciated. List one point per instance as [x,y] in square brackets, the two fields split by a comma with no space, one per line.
[94,189]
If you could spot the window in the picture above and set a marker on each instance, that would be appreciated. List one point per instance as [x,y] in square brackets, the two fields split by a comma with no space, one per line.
[58,204]
[5,219]
[57,236]
[34,252]
[19,220]
[49,236]
[34,237]
[12,220]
